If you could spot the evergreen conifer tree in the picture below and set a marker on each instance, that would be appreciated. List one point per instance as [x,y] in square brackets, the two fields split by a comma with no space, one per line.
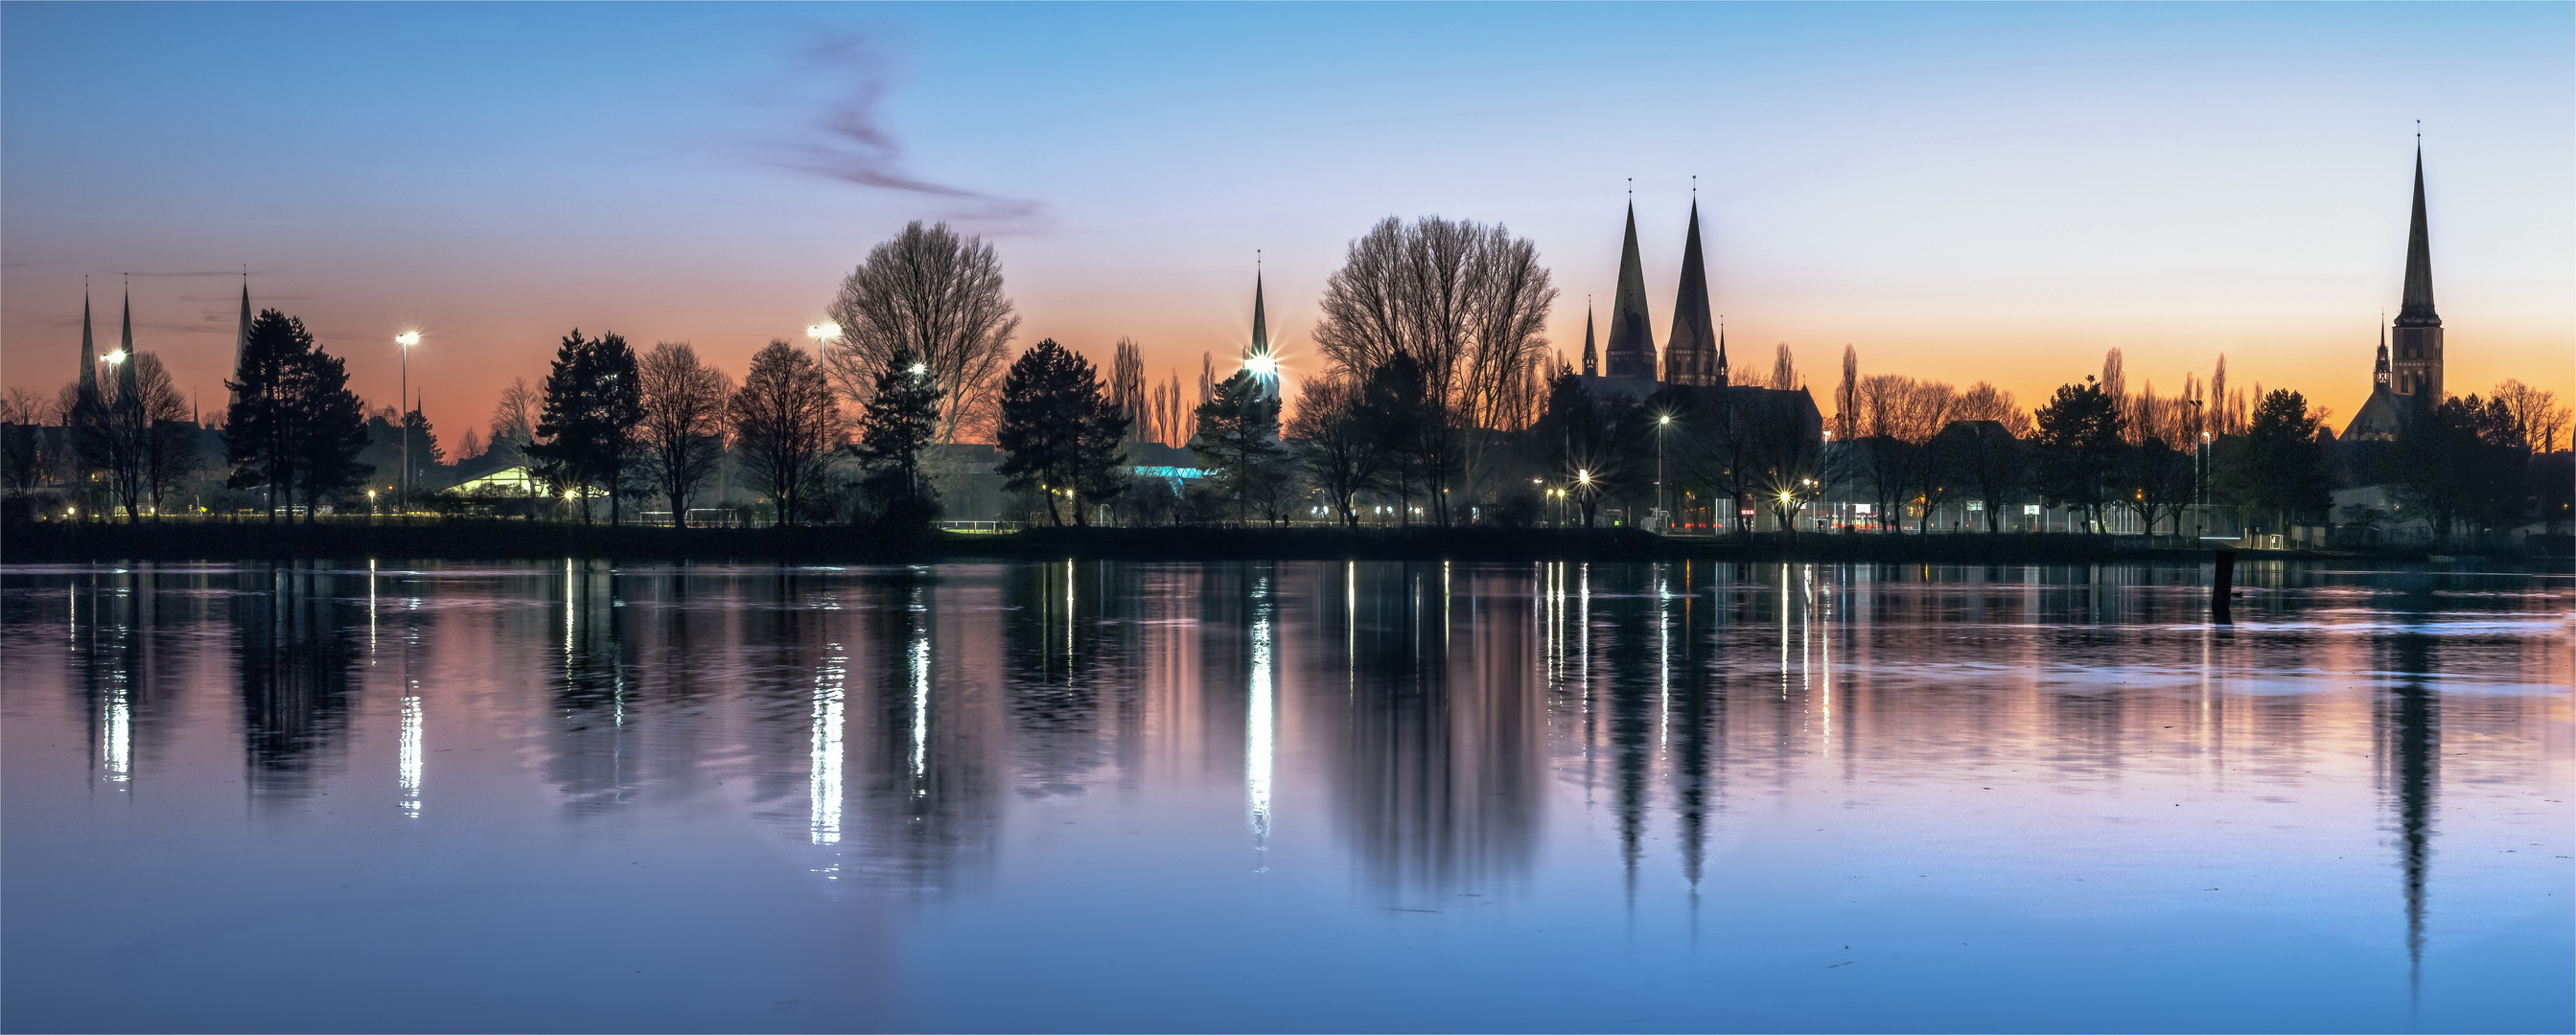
[1059,433]
[1238,439]
[901,416]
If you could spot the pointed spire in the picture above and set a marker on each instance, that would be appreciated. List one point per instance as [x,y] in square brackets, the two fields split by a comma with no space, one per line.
[1721,352]
[126,393]
[241,337]
[1591,358]
[1632,332]
[2417,308]
[1690,358]
[89,354]
[1260,324]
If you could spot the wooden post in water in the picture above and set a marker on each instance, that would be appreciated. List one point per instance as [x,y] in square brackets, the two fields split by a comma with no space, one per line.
[2221,586]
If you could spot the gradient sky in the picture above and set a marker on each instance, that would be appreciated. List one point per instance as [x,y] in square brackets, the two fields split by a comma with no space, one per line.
[1963,192]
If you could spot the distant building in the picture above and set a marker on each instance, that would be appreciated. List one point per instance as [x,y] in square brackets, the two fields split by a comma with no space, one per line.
[1695,358]
[2409,377]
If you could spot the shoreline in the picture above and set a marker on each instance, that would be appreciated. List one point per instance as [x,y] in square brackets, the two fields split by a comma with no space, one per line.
[477,539]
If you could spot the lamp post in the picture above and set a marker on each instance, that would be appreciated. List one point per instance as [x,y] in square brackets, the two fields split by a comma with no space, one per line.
[406,339]
[822,332]
[1661,423]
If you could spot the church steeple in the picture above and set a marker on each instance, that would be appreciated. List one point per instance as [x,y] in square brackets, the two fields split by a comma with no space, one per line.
[1632,332]
[1256,354]
[89,356]
[1260,324]
[2415,357]
[1721,355]
[125,388]
[2416,309]
[241,337]
[1690,358]
[2379,371]
[1591,359]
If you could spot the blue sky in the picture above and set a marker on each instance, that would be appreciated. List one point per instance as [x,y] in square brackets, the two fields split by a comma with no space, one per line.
[1962,191]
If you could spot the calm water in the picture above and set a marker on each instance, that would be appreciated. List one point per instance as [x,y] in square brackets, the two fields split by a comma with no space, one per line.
[1283,796]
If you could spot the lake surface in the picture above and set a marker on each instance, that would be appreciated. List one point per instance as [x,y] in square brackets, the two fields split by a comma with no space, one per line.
[1376,796]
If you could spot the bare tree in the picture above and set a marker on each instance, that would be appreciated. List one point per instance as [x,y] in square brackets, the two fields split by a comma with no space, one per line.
[684,418]
[939,297]
[514,418]
[786,424]
[25,413]
[1340,446]
[1466,304]
[1784,370]
[1847,396]
[2536,414]
[1984,401]
[166,448]
[1127,389]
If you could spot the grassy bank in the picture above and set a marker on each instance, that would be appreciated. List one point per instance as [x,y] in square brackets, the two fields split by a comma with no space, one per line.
[486,539]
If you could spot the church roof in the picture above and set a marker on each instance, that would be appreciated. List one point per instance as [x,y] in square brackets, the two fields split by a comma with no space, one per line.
[1260,326]
[2381,417]
[1632,333]
[89,355]
[1691,356]
[2417,308]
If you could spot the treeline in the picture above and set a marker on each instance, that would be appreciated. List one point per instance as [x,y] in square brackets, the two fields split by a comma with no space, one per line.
[1438,402]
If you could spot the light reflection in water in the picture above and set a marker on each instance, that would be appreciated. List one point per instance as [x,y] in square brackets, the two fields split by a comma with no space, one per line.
[408,767]
[824,790]
[116,733]
[1258,735]
[2355,762]
[917,656]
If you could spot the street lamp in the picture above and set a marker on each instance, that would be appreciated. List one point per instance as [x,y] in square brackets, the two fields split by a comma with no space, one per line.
[1661,423]
[822,332]
[406,339]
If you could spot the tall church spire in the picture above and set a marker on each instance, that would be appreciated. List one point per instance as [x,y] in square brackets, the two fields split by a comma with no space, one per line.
[1260,324]
[241,337]
[1591,358]
[2416,309]
[1256,354]
[1690,358]
[89,355]
[125,392]
[1632,332]
[2415,348]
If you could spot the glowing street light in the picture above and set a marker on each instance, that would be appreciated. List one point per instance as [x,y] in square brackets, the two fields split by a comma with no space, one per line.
[406,339]
[1661,423]
[822,332]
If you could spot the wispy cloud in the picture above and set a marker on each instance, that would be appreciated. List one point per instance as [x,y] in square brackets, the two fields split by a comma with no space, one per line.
[856,147]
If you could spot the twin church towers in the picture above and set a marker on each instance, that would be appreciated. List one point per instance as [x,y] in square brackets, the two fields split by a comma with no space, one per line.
[1696,354]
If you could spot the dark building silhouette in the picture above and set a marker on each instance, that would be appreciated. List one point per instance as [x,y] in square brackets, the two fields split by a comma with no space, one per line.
[1691,357]
[2407,374]
[1632,334]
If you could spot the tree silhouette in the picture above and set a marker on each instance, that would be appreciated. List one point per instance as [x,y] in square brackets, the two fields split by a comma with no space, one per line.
[786,424]
[899,421]
[594,398]
[1059,433]
[1238,439]
[2079,440]
[293,425]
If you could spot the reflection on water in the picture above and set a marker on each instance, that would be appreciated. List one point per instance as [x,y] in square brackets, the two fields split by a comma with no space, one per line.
[1758,749]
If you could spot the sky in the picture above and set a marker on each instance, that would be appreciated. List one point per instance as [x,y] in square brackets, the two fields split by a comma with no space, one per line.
[1962,192]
